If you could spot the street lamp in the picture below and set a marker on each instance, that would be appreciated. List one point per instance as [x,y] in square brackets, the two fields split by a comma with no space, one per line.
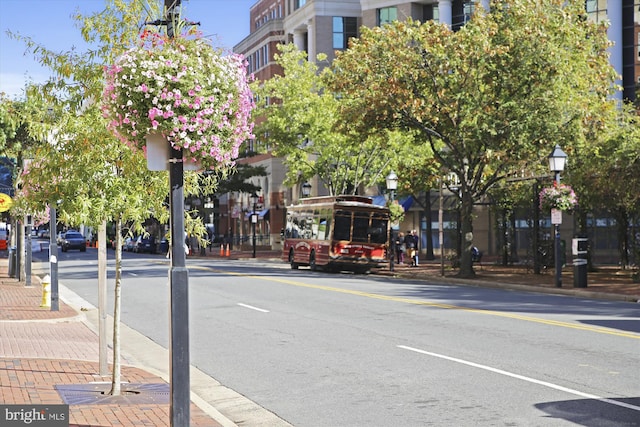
[254,220]
[306,189]
[557,162]
[392,186]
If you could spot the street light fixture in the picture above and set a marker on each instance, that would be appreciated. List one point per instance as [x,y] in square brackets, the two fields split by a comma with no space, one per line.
[392,186]
[254,220]
[306,189]
[557,162]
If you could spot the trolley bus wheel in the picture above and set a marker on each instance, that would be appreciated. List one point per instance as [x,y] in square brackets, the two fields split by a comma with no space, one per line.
[312,262]
[294,265]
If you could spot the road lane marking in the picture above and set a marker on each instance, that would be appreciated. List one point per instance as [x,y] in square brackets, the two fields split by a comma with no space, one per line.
[252,307]
[523,378]
[515,316]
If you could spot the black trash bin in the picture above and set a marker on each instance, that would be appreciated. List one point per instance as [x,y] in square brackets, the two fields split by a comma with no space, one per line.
[579,249]
[13,261]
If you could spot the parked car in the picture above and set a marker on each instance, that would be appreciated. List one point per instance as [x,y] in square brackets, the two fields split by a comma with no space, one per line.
[129,244]
[73,240]
[60,238]
[145,244]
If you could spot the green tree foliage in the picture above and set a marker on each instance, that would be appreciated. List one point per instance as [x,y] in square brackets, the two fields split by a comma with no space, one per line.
[300,125]
[77,161]
[491,99]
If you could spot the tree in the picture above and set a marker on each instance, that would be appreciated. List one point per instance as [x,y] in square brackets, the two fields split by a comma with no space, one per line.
[491,99]
[300,119]
[96,177]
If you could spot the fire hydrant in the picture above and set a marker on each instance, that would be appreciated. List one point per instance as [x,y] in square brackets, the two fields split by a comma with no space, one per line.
[46,291]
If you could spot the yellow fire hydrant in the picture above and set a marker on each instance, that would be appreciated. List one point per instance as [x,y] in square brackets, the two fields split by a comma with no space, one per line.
[46,291]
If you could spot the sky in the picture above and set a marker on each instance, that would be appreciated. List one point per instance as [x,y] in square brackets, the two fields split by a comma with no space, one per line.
[49,23]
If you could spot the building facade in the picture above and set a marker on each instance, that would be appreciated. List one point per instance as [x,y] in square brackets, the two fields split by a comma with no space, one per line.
[325,26]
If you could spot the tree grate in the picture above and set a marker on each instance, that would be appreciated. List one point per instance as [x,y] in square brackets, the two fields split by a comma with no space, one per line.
[96,394]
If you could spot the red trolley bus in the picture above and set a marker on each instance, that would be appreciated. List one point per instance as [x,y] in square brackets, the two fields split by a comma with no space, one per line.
[336,233]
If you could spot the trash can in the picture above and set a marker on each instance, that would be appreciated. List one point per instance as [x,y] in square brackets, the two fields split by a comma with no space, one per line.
[579,249]
[13,260]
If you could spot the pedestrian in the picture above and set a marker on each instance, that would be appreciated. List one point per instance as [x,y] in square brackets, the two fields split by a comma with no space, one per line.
[411,246]
[401,248]
[415,240]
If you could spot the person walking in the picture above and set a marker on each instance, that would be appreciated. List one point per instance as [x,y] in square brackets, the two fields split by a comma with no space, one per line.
[400,248]
[411,241]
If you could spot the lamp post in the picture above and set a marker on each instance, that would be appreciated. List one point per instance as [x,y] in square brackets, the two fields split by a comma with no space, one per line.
[557,162]
[306,189]
[254,221]
[53,256]
[392,186]
[28,254]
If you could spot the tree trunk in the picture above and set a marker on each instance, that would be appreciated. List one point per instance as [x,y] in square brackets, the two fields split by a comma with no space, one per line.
[427,210]
[115,377]
[622,220]
[466,236]
[513,255]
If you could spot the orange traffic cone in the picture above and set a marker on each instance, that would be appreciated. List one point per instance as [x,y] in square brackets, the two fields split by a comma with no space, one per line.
[221,250]
[228,251]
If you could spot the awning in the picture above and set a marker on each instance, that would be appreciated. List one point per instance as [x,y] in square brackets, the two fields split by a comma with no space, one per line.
[405,202]
[263,214]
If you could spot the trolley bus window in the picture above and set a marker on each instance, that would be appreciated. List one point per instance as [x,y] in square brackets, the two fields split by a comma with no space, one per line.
[361,227]
[342,225]
[378,229]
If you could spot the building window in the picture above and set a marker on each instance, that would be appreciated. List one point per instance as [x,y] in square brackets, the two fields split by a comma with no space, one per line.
[462,11]
[297,4]
[596,10]
[387,15]
[344,28]
[430,12]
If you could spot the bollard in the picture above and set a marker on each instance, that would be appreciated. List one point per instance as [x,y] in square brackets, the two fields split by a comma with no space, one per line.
[46,291]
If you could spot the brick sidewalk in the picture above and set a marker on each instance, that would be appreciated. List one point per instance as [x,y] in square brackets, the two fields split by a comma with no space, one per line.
[41,349]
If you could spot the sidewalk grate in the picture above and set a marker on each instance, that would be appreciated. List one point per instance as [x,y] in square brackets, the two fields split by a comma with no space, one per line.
[95,394]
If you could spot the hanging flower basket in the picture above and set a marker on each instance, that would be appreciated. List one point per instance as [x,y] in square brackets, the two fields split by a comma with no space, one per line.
[561,197]
[185,90]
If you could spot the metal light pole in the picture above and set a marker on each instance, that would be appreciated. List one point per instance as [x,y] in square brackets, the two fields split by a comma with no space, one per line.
[28,254]
[53,256]
[254,221]
[557,162]
[178,277]
[441,224]
[392,186]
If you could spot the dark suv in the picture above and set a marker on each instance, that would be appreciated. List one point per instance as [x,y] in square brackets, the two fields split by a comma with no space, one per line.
[73,240]
[145,244]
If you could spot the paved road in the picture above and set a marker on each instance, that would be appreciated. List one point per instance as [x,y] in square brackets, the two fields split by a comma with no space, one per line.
[320,349]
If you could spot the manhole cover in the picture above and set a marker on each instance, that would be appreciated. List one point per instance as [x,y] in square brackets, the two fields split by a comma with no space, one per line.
[96,394]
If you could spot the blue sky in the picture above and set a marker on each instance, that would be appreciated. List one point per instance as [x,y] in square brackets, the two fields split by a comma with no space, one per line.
[48,22]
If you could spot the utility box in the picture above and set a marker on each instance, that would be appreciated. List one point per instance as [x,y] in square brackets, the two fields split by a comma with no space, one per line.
[580,250]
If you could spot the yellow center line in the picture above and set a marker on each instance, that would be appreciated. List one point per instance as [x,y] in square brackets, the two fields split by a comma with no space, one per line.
[435,304]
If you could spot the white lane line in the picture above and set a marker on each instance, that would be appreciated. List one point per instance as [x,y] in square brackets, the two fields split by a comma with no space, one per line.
[253,308]
[522,377]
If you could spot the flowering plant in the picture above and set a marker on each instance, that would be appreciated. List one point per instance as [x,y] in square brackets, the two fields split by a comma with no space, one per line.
[185,90]
[559,196]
